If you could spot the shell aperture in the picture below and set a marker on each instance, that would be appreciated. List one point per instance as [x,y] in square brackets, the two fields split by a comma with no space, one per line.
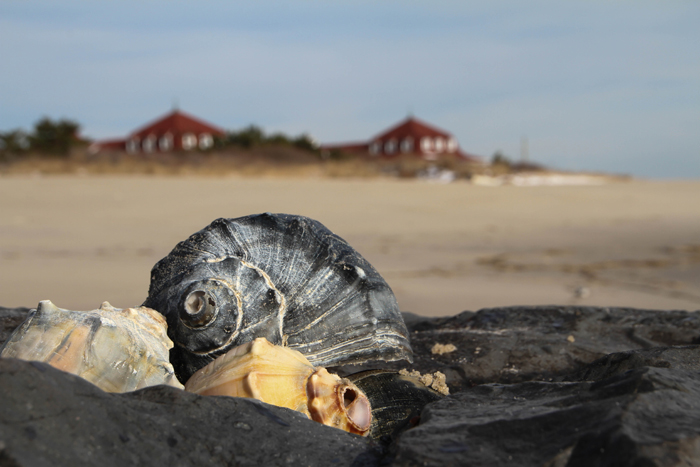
[280,376]
[118,350]
[282,277]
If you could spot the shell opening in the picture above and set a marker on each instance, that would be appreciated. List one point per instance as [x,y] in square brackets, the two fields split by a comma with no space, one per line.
[194,302]
[198,309]
[357,408]
[348,397]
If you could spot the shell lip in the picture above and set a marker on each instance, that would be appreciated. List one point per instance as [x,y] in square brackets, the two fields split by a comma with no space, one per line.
[355,406]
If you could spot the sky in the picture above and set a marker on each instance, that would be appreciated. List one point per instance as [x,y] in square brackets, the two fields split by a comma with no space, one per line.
[610,86]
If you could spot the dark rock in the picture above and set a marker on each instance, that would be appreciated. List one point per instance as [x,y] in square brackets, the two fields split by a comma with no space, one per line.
[51,418]
[640,417]
[515,344]
[569,386]
[685,357]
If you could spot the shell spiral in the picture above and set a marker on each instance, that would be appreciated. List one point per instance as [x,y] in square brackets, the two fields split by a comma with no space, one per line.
[282,277]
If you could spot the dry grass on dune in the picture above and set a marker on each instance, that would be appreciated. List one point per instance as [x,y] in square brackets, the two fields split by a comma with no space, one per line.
[269,161]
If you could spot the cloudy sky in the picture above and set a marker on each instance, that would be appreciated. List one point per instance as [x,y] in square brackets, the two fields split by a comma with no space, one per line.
[596,85]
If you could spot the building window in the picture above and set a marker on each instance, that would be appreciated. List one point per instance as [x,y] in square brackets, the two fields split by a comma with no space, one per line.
[189,141]
[205,141]
[165,143]
[390,146]
[149,143]
[451,145]
[439,144]
[132,145]
[375,148]
[407,144]
[426,144]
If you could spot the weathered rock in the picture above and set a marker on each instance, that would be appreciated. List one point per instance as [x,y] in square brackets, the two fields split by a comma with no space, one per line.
[515,344]
[52,418]
[642,416]
[573,386]
[683,357]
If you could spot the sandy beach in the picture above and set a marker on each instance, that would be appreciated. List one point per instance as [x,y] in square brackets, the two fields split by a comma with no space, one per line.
[443,248]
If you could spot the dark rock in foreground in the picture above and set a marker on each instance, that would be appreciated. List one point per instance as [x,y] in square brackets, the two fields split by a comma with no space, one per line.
[48,417]
[637,416]
[531,386]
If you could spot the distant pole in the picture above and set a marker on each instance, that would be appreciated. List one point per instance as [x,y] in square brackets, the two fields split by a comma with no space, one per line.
[524,150]
[175,104]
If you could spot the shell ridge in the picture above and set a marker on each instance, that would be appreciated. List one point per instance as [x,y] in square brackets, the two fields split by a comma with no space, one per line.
[283,301]
[307,268]
[239,249]
[367,349]
[329,312]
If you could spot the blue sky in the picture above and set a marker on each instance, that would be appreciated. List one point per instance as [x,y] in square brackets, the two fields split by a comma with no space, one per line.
[594,85]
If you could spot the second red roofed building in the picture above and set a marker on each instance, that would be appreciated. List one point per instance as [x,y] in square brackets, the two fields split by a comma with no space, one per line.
[411,136]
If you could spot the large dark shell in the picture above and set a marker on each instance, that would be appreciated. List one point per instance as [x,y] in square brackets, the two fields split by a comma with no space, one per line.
[283,277]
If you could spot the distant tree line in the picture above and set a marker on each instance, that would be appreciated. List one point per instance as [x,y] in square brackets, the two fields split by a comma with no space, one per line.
[57,138]
[253,136]
[48,137]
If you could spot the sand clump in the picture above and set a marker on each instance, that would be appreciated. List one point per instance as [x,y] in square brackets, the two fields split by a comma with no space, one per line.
[441,349]
[435,381]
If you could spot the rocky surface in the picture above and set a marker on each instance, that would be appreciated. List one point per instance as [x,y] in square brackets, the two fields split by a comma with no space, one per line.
[636,415]
[48,417]
[545,343]
[545,386]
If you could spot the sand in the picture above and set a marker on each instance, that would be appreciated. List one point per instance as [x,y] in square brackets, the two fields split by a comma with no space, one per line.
[443,248]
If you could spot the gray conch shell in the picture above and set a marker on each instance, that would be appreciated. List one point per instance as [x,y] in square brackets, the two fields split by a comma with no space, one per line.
[283,377]
[283,277]
[118,350]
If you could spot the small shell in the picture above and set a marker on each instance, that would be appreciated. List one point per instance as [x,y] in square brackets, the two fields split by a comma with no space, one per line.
[282,277]
[118,350]
[283,377]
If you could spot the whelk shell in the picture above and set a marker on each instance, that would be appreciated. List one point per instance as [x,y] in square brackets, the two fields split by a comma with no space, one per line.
[283,377]
[118,350]
[282,277]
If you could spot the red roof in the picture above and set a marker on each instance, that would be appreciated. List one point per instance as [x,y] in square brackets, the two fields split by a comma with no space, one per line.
[410,136]
[411,127]
[174,131]
[177,122]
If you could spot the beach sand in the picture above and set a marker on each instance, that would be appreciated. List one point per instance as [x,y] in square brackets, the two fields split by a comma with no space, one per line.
[443,248]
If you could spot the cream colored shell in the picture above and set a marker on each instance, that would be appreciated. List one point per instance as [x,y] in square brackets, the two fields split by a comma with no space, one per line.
[118,350]
[283,377]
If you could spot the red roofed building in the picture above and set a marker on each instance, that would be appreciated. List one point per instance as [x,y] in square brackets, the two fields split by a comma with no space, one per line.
[410,136]
[175,131]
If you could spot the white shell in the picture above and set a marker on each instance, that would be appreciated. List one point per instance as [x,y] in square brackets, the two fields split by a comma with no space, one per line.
[118,350]
[284,377]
